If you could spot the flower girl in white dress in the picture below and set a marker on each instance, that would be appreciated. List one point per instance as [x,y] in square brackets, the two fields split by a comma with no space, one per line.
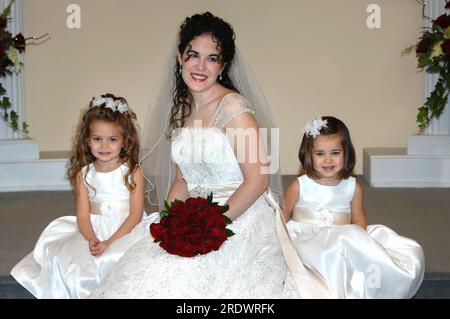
[328,224]
[73,254]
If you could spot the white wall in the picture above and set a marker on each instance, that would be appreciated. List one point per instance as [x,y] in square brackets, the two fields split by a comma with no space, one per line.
[311,58]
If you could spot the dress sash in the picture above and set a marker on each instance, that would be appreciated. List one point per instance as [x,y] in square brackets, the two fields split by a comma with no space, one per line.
[110,207]
[323,217]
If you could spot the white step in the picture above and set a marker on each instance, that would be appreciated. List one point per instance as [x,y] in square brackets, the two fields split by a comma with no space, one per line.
[45,173]
[393,167]
[18,149]
[429,145]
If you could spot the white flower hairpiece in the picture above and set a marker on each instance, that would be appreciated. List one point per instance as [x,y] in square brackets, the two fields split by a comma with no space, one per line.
[312,128]
[109,102]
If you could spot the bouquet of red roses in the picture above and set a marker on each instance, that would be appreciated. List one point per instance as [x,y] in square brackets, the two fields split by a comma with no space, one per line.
[195,226]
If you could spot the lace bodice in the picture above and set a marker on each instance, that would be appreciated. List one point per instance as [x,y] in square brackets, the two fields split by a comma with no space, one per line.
[205,155]
[231,105]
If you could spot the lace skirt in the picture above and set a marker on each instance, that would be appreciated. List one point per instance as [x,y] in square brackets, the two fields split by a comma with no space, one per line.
[249,264]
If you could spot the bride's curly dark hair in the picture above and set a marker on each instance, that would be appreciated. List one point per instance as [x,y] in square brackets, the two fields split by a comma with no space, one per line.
[192,27]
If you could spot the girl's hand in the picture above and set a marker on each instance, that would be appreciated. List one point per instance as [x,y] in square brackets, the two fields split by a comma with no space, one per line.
[93,246]
[102,247]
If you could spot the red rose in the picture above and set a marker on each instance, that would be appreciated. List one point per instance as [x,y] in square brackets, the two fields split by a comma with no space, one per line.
[215,220]
[443,21]
[217,237]
[197,201]
[446,47]
[3,22]
[196,226]
[157,231]
[218,233]
[182,248]
[424,45]
[19,42]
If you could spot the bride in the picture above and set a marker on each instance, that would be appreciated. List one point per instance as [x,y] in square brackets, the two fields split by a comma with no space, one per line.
[206,115]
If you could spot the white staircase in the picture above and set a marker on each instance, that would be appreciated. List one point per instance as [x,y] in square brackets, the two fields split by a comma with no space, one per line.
[23,168]
[425,163]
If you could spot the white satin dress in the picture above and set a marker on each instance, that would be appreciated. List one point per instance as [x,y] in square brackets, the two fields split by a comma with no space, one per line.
[353,262]
[61,265]
[249,264]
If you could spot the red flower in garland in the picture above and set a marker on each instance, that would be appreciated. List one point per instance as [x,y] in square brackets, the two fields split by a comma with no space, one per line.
[19,42]
[195,226]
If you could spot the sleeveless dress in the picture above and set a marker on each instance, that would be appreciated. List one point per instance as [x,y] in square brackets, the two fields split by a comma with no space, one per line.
[61,265]
[353,262]
[249,264]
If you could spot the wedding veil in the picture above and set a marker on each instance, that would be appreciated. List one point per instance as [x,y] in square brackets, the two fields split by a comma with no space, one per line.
[158,168]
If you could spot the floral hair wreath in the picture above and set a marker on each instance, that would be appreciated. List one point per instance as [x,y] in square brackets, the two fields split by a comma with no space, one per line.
[313,127]
[115,105]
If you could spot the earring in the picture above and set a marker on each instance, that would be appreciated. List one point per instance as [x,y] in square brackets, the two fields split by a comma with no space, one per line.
[220,77]
[180,70]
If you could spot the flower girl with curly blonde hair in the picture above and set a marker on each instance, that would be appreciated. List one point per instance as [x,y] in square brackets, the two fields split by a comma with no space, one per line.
[74,253]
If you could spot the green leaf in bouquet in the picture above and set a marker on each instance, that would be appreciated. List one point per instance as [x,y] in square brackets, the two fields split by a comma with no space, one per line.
[227,219]
[229,233]
[163,213]
[167,206]
[176,200]
[210,198]
[224,208]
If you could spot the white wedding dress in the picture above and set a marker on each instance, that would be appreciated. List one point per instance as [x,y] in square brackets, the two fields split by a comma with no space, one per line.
[249,264]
